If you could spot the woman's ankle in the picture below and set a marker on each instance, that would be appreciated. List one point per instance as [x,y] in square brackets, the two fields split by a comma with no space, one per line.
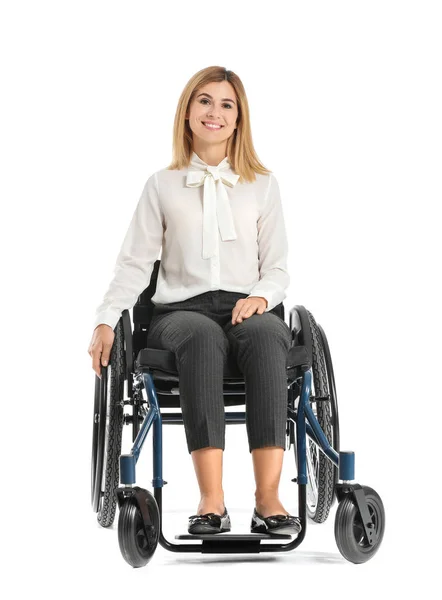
[266,496]
[211,503]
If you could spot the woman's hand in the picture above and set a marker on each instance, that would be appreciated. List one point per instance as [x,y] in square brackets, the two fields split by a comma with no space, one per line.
[246,307]
[101,346]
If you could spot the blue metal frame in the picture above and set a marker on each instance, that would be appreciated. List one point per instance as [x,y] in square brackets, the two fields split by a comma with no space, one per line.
[306,424]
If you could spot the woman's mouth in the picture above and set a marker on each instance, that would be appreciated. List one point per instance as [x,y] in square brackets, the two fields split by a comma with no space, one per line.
[212,127]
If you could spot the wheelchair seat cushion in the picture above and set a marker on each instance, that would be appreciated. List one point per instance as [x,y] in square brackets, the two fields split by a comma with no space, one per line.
[157,358]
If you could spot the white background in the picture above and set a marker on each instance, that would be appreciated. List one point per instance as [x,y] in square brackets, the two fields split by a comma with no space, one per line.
[345,102]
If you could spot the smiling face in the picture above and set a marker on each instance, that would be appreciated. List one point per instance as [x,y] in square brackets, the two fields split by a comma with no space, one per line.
[214,104]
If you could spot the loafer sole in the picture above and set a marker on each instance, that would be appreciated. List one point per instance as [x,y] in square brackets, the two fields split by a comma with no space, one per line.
[288,530]
[201,528]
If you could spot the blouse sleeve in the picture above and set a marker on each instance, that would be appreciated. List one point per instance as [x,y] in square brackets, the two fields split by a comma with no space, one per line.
[139,251]
[272,249]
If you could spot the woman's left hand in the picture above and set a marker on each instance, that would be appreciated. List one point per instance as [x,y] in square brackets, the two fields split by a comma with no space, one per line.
[246,307]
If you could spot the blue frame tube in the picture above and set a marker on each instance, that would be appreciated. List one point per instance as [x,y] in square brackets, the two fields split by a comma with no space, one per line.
[305,413]
[306,423]
[127,462]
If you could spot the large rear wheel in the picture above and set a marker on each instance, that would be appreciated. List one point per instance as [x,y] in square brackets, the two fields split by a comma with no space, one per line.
[321,472]
[107,432]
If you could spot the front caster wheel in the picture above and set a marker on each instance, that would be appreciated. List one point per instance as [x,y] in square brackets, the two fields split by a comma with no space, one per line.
[138,543]
[349,530]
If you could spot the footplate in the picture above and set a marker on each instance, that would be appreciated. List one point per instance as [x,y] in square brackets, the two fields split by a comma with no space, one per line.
[232,543]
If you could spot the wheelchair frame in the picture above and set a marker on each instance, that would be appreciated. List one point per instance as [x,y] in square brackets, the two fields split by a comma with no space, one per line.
[360,516]
[306,424]
[228,542]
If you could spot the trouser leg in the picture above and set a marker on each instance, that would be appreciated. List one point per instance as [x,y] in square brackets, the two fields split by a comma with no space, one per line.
[201,349]
[261,344]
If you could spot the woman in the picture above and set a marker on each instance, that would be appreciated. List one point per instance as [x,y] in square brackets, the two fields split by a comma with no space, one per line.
[216,214]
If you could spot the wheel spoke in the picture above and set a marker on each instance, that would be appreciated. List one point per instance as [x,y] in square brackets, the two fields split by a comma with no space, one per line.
[312,487]
[141,539]
[359,531]
[312,469]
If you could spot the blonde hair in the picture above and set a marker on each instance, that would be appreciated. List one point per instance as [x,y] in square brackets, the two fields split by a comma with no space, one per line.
[240,151]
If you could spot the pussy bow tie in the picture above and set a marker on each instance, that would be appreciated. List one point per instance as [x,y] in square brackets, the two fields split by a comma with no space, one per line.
[216,205]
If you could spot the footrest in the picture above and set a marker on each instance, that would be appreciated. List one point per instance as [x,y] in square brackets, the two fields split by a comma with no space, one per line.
[233,536]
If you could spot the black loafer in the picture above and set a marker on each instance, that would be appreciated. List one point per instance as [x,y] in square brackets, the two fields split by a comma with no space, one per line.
[209,523]
[287,524]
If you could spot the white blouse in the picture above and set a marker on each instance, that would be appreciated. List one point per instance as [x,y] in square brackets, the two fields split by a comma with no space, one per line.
[211,233]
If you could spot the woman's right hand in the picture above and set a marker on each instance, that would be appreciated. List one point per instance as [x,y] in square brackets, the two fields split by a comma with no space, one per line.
[100,346]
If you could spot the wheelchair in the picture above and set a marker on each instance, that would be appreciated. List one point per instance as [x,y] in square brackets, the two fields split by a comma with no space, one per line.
[324,473]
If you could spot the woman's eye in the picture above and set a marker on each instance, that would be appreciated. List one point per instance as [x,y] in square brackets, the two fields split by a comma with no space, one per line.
[207,100]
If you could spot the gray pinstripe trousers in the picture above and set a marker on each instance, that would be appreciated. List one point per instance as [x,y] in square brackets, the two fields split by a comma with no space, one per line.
[199,331]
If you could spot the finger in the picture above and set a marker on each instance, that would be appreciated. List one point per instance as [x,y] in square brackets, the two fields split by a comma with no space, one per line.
[237,308]
[106,354]
[96,362]
[246,313]
[236,316]
[239,312]
[241,315]
[250,310]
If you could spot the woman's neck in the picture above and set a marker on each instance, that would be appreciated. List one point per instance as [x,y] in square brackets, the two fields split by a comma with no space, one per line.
[211,155]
